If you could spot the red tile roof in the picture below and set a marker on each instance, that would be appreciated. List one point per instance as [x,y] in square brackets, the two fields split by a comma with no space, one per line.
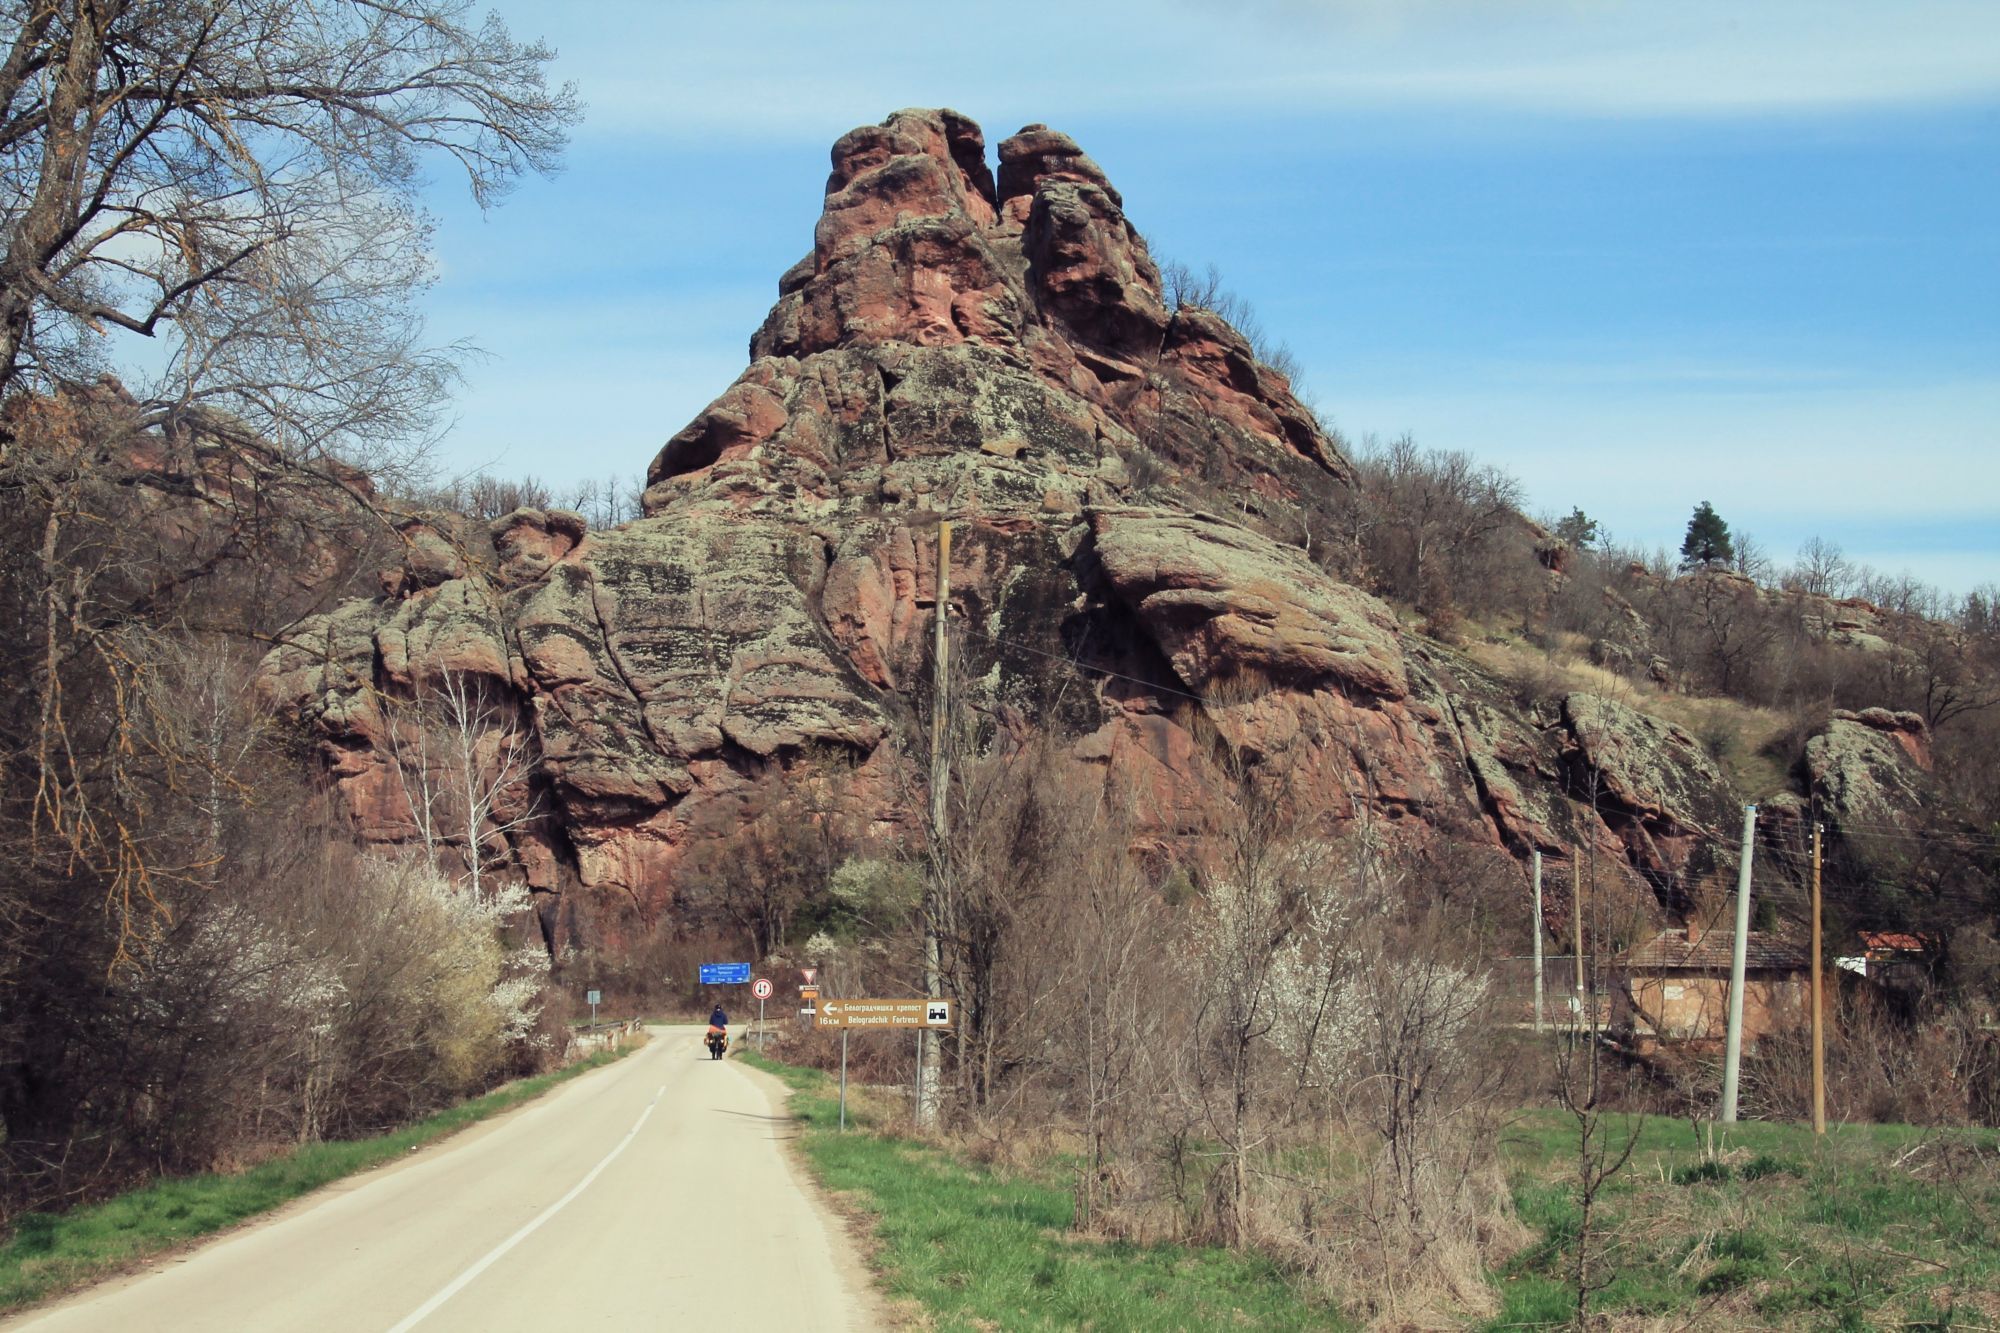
[1670,950]
[1892,941]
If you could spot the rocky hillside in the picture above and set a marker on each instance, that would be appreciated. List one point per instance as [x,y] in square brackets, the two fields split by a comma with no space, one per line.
[995,349]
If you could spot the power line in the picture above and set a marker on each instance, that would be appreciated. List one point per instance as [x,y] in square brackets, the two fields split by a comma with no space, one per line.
[1977,841]
[1770,836]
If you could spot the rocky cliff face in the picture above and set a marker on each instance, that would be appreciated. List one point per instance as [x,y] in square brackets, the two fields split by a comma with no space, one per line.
[997,350]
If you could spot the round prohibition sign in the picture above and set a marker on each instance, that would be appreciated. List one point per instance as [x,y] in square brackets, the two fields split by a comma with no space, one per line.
[761,988]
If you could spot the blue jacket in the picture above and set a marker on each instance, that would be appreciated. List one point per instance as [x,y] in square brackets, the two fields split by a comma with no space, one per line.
[718,1018]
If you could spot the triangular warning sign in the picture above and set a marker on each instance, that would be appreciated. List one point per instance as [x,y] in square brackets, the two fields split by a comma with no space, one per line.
[809,973]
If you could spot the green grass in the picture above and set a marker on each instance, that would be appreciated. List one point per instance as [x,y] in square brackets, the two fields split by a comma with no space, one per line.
[50,1253]
[982,1249]
[1778,1231]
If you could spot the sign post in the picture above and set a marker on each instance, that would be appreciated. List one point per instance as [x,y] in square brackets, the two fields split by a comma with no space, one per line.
[762,990]
[593,996]
[924,1015]
[930,1014]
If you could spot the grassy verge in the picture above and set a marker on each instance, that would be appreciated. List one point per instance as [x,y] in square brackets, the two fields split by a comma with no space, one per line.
[1876,1225]
[981,1249]
[52,1253]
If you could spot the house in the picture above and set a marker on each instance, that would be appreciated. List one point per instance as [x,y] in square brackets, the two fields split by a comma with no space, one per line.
[1890,958]
[1675,987]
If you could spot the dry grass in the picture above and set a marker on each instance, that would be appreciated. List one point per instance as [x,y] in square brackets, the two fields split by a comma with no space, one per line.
[1872,1226]
[1736,734]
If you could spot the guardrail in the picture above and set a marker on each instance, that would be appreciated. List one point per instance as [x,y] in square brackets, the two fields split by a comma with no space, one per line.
[605,1036]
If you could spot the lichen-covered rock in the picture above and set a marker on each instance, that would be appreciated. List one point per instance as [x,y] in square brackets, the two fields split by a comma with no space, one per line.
[1224,602]
[1650,781]
[1870,769]
[999,353]
[528,541]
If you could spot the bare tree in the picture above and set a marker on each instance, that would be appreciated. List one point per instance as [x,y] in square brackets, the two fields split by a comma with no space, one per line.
[235,181]
[606,502]
[756,863]
[463,764]
[1734,632]
[1266,869]
[1751,560]
[1184,288]
[1112,1018]
[1440,517]
[1822,570]
[238,178]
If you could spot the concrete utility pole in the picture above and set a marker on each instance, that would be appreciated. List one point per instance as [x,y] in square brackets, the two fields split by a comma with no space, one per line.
[1818,1003]
[929,1052]
[1576,926]
[1538,939]
[1732,1054]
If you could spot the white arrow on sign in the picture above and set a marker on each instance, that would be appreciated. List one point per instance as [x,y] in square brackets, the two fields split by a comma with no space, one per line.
[831,1008]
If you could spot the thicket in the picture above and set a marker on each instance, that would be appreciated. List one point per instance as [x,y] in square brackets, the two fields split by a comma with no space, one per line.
[603,502]
[201,964]
[196,966]
[1750,655]
[1277,1038]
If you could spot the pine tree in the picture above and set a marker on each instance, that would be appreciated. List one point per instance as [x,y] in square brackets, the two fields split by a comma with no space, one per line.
[1707,542]
[1579,529]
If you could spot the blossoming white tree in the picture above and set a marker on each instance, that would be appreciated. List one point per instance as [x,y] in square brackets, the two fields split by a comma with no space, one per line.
[463,766]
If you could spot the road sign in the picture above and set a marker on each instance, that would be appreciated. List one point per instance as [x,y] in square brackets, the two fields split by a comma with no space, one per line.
[884,1014]
[761,988]
[591,997]
[808,974]
[808,992]
[725,974]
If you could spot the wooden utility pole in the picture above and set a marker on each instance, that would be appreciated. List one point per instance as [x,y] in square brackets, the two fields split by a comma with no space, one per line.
[1732,1053]
[1538,939]
[1576,925]
[1818,1002]
[929,1052]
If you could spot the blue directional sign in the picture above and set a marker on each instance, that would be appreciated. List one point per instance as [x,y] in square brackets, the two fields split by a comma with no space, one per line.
[725,974]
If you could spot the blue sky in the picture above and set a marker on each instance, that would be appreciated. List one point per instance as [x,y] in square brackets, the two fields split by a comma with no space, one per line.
[1639,255]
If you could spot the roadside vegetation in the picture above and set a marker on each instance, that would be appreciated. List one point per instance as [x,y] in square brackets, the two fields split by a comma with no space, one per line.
[980,1246]
[198,403]
[1250,1063]
[1759,1226]
[50,1253]
[1304,1046]
[1874,1226]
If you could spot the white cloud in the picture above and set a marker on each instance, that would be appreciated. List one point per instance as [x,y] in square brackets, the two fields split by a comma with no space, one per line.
[762,70]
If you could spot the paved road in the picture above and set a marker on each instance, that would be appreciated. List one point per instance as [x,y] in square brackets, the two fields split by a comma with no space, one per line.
[653,1194]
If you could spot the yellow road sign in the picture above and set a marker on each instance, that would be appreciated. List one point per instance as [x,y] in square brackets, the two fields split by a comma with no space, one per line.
[884,1014]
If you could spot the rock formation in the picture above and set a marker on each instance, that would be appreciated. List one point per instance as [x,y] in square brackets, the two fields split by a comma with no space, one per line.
[995,349]
[1871,769]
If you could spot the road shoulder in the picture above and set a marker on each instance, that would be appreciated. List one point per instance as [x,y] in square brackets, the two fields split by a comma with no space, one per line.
[849,1232]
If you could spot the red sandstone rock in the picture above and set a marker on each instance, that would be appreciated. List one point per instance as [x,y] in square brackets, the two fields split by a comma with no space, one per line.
[998,352]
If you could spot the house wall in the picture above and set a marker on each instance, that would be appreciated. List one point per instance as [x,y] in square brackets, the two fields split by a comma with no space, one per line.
[1695,1006]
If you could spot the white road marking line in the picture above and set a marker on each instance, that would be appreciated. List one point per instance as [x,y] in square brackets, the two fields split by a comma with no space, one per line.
[465,1279]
